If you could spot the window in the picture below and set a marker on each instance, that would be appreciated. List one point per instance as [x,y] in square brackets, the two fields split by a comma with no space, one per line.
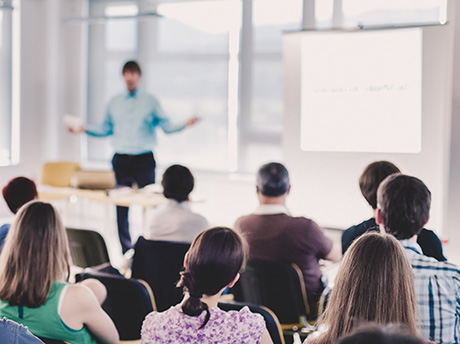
[393,12]
[110,42]
[9,70]
[220,60]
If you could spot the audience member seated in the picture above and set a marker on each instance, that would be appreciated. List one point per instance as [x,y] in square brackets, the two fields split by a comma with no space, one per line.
[16,193]
[211,265]
[273,234]
[373,334]
[374,284]
[369,182]
[175,221]
[13,333]
[404,208]
[33,266]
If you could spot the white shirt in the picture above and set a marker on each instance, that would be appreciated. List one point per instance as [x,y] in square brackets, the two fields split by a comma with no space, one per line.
[174,221]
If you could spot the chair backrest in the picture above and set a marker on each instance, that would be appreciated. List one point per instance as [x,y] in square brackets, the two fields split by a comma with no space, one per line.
[271,321]
[58,173]
[276,285]
[159,264]
[87,247]
[128,302]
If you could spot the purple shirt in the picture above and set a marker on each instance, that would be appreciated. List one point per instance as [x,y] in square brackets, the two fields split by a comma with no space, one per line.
[173,326]
[284,238]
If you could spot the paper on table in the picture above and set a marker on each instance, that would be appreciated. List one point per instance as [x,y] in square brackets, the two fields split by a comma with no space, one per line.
[72,122]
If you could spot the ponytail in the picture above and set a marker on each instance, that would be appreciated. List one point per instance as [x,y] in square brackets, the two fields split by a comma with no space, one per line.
[212,262]
[193,306]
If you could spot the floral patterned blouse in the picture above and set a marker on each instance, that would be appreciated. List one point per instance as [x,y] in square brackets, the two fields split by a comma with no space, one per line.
[173,326]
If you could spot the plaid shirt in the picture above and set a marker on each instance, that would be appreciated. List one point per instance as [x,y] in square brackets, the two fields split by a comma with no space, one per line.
[437,290]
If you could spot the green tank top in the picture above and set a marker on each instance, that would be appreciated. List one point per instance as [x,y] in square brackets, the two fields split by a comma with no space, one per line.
[44,321]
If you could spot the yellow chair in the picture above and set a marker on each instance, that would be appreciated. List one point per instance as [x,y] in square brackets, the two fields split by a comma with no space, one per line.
[58,174]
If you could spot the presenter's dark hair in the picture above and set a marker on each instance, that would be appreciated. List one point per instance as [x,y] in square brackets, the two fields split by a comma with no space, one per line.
[177,183]
[272,179]
[405,203]
[18,192]
[132,66]
[215,258]
[372,176]
[374,334]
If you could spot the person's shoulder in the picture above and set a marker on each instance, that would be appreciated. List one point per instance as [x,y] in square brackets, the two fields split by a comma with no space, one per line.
[117,97]
[80,298]
[155,321]
[359,229]
[427,234]
[362,227]
[430,266]
[300,222]
[242,220]
[243,318]
[149,97]
[3,232]
[198,219]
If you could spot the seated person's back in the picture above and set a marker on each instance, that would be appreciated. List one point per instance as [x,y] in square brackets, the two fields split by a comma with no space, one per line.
[437,284]
[175,221]
[275,235]
[369,181]
[211,265]
[373,284]
[33,291]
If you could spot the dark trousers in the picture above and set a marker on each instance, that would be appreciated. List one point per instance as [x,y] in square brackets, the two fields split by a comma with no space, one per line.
[130,170]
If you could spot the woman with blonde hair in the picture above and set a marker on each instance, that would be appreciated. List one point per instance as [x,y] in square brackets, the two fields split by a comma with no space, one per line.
[375,283]
[34,265]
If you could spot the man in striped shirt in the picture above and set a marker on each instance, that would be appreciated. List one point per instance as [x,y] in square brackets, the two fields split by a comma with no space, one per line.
[403,209]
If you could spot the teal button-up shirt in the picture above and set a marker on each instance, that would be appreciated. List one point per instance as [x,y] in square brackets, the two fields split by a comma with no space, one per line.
[131,119]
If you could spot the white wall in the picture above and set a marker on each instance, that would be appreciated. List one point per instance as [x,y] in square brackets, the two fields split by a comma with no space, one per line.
[325,184]
[49,87]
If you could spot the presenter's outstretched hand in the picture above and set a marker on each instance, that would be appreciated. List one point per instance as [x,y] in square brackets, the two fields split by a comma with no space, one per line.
[77,130]
[192,121]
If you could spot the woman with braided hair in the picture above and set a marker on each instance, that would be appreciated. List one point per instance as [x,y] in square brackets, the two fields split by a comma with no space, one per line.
[211,265]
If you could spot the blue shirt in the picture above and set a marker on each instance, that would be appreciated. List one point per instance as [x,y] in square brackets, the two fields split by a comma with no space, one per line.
[437,290]
[13,333]
[131,118]
[3,232]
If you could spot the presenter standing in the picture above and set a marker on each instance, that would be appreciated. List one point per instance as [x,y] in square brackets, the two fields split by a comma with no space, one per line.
[131,119]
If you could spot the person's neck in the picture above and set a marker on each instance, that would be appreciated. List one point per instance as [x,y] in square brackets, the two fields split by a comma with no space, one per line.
[210,300]
[132,91]
[265,200]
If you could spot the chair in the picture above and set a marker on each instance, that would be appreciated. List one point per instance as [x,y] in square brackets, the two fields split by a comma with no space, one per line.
[271,321]
[159,264]
[128,302]
[58,174]
[87,248]
[278,286]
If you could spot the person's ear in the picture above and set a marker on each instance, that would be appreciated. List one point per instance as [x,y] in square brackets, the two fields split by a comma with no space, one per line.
[232,283]
[378,216]
[185,260]
[288,189]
